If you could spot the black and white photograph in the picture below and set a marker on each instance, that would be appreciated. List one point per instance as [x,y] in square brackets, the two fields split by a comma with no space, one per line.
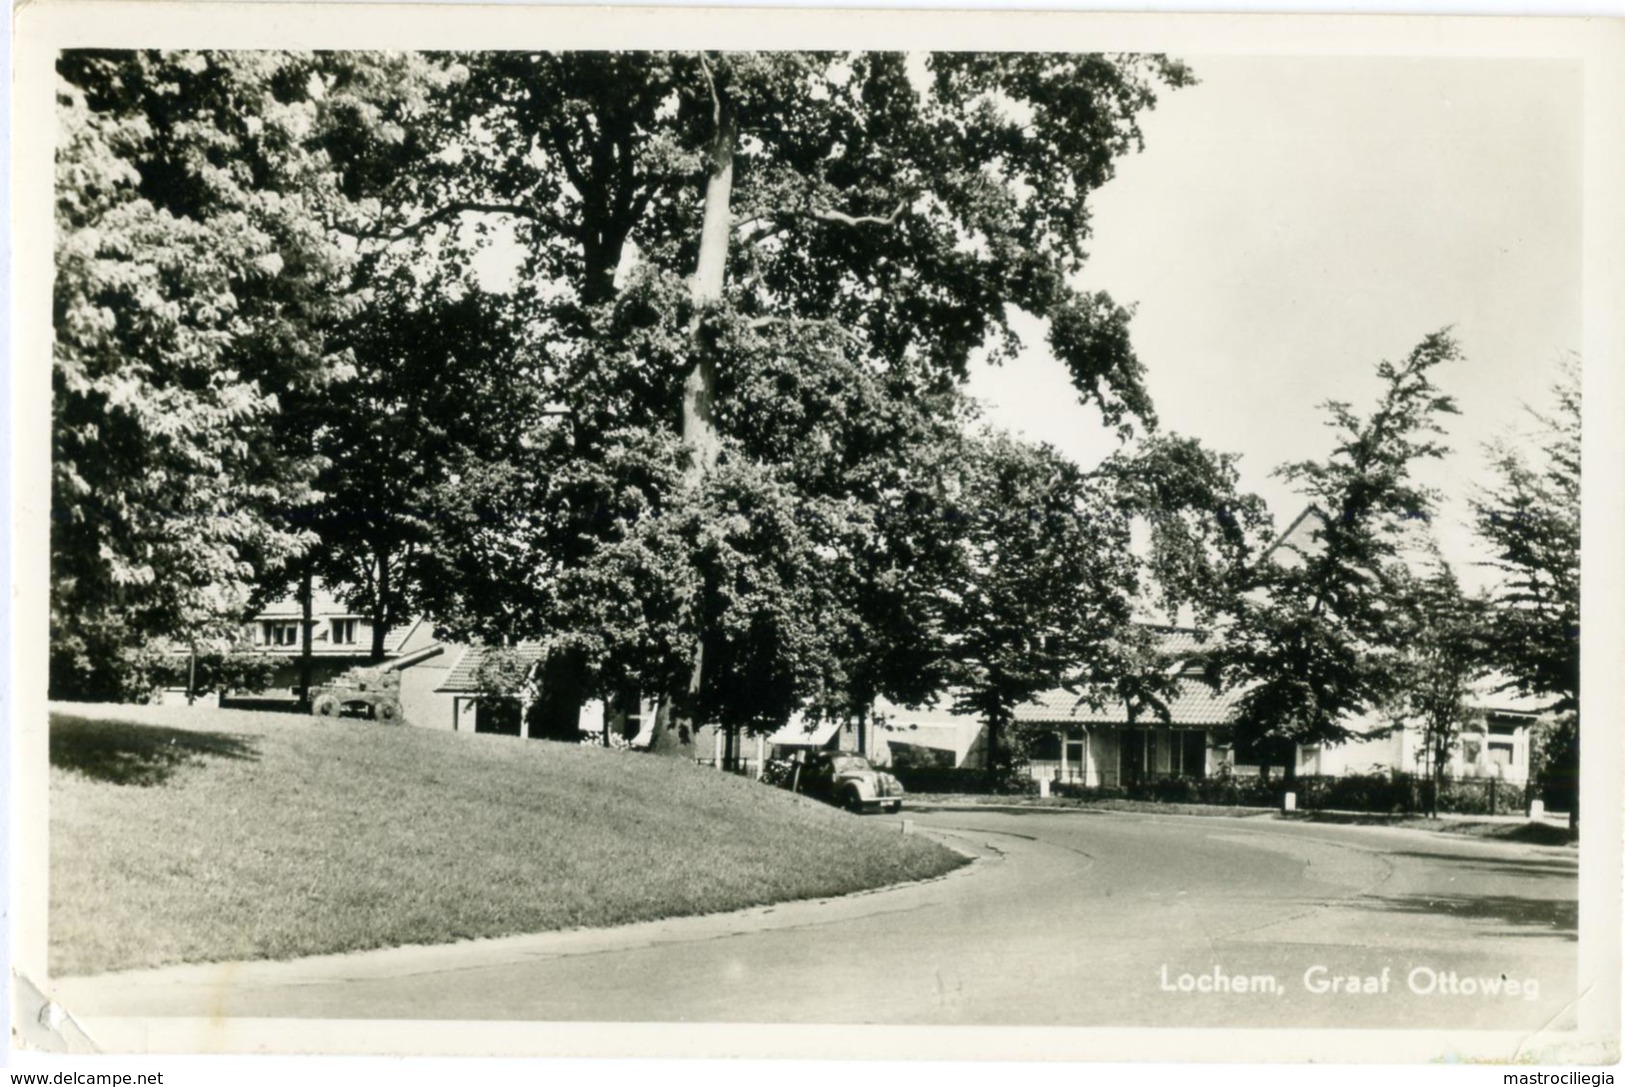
[794,534]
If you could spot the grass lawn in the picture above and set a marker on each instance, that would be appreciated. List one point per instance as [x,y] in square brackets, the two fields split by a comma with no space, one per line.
[198,834]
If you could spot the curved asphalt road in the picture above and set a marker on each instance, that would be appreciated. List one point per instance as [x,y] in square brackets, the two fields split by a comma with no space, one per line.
[1076,919]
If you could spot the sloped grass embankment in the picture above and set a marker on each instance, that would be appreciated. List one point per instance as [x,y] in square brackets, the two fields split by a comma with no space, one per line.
[200,835]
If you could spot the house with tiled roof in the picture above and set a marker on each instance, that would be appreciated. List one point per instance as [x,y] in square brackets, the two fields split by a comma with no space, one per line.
[1074,739]
[1084,740]
[336,630]
[470,709]
[1080,740]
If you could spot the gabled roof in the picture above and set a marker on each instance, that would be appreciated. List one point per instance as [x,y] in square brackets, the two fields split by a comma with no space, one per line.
[397,637]
[461,678]
[1495,694]
[1195,704]
[800,732]
[416,656]
[1180,642]
[1299,538]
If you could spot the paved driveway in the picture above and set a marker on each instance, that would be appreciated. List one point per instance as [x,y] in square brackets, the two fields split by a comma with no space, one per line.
[1088,919]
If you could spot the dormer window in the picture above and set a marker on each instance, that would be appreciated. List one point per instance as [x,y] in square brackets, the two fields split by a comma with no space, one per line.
[344,632]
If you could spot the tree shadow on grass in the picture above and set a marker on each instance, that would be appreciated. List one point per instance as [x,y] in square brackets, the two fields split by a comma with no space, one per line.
[122,753]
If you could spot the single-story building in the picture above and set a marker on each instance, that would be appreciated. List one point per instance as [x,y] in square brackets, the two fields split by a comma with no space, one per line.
[1071,739]
[463,708]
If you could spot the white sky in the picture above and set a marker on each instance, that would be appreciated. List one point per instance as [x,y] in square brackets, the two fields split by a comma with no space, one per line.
[1293,221]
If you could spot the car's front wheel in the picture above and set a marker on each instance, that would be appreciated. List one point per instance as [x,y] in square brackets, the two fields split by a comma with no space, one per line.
[852,801]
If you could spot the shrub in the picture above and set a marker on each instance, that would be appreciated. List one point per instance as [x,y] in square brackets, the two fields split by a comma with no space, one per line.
[916,757]
[963,779]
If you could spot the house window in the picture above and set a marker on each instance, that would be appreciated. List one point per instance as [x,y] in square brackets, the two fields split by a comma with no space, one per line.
[1076,759]
[281,633]
[344,632]
[1044,746]
[1500,753]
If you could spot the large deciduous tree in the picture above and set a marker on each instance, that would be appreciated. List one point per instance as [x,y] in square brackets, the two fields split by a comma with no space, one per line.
[749,285]
[1045,580]
[436,380]
[1316,633]
[218,290]
[1530,517]
[192,279]
[1196,535]
[719,209]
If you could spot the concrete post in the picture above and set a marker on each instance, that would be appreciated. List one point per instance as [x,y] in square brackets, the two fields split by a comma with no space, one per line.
[1289,802]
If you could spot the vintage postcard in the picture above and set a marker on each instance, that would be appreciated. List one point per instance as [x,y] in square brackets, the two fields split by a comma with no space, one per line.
[816,533]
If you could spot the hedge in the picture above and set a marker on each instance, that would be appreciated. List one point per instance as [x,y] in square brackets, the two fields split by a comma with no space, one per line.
[1400,794]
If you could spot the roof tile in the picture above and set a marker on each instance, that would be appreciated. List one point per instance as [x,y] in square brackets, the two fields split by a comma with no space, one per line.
[1195,704]
[461,678]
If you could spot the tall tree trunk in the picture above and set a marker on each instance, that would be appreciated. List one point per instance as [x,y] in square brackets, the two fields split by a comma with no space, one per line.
[380,608]
[1441,755]
[306,622]
[710,277]
[699,389]
[558,713]
[992,753]
[669,737]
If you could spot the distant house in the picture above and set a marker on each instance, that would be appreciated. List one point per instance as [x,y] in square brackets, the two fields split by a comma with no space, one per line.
[1498,744]
[928,734]
[472,710]
[1072,740]
[1118,744]
[340,639]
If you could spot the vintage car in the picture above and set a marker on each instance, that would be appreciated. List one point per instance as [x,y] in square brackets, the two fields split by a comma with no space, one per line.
[847,778]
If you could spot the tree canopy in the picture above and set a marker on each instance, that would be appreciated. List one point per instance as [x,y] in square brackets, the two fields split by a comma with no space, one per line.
[1316,630]
[189,282]
[1440,654]
[873,222]
[1530,517]
[712,416]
